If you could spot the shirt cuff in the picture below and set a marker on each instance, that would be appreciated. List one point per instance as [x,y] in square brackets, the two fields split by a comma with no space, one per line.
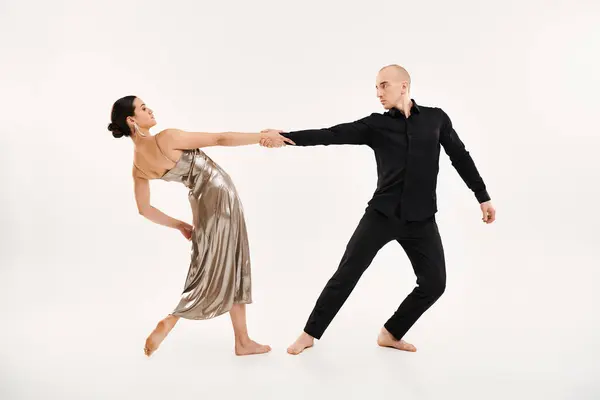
[482,196]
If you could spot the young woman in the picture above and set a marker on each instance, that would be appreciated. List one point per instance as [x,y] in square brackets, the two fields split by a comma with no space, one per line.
[219,277]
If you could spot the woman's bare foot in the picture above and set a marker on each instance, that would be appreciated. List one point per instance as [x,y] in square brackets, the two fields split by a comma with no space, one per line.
[386,339]
[159,334]
[243,345]
[249,347]
[303,342]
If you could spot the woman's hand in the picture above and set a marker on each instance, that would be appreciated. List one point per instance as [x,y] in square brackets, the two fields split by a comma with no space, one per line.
[185,229]
[273,138]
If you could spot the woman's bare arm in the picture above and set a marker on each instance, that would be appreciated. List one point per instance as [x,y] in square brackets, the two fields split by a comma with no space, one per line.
[142,199]
[183,140]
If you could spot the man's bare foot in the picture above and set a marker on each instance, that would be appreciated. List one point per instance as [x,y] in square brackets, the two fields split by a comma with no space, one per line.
[385,339]
[249,347]
[159,334]
[304,342]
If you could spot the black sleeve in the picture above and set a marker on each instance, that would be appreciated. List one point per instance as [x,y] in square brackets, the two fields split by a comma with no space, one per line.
[461,159]
[357,132]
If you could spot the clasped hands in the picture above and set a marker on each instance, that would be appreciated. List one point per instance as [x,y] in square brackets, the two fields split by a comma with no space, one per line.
[272,138]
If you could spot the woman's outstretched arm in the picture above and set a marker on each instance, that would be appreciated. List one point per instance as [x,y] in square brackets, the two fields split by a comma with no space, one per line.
[183,140]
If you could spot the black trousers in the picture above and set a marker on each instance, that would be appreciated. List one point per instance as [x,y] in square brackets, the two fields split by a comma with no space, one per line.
[422,243]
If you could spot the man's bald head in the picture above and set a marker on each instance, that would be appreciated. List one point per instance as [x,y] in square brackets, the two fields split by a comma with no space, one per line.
[393,83]
[396,71]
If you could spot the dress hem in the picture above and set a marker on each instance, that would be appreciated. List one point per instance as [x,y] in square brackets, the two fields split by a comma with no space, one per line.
[185,315]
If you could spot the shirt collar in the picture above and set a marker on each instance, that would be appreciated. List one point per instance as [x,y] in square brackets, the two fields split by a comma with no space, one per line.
[394,112]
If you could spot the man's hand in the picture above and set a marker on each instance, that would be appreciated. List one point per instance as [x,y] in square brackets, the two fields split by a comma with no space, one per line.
[272,138]
[489,213]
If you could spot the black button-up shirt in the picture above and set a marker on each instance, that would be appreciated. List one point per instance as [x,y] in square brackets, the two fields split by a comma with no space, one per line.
[407,154]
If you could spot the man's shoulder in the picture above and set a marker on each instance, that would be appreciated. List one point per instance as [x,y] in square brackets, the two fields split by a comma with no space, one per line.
[428,108]
[382,117]
[366,120]
[375,117]
[431,110]
[422,108]
[374,120]
[369,116]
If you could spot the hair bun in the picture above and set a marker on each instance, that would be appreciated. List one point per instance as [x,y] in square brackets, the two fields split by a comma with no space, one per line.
[115,130]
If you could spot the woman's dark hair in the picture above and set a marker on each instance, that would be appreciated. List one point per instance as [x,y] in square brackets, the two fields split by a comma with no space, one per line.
[122,109]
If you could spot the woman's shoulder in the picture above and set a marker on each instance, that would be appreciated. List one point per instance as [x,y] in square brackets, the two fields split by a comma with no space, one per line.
[169,133]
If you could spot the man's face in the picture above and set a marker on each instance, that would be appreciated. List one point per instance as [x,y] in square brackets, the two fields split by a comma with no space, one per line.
[390,87]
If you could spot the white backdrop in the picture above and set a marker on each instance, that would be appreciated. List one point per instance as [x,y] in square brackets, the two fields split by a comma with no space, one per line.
[84,278]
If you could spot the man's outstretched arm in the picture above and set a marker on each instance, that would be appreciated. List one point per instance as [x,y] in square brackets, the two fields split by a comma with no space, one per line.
[357,132]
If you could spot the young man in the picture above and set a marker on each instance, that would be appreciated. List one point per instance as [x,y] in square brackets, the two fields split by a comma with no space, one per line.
[406,140]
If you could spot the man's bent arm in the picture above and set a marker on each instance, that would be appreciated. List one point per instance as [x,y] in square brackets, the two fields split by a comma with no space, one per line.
[461,160]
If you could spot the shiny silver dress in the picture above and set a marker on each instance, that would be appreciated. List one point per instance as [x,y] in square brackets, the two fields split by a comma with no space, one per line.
[219,273]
